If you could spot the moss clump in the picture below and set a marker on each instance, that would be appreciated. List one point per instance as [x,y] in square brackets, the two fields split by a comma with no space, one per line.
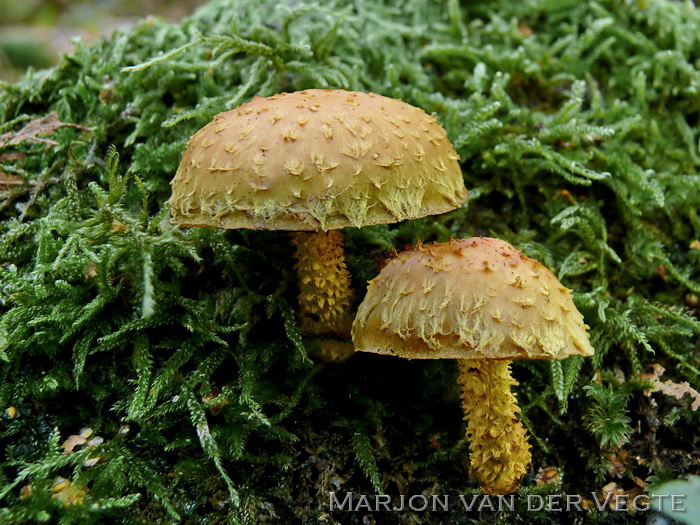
[577,124]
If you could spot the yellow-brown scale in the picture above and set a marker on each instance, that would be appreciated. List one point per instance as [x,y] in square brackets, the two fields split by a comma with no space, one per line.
[500,454]
[324,283]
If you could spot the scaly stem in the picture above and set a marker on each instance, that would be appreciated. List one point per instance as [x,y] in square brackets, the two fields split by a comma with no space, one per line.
[500,454]
[324,283]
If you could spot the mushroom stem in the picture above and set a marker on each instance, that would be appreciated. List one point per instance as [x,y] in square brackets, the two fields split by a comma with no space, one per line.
[500,454]
[324,282]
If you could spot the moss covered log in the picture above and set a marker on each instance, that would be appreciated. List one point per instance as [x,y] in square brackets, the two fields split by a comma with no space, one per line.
[155,374]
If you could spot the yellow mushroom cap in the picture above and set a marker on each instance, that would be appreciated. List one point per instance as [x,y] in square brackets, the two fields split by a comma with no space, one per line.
[469,299]
[317,159]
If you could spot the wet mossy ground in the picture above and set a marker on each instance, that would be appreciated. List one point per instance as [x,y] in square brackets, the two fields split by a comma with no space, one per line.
[577,124]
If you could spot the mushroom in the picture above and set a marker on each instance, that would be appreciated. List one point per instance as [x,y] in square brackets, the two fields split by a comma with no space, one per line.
[313,162]
[484,303]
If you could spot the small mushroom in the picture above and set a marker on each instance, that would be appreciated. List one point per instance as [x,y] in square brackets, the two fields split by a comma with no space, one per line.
[484,303]
[313,162]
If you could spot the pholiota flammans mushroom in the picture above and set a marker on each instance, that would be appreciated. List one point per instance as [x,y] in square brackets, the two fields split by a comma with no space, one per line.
[484,303]
[313,162]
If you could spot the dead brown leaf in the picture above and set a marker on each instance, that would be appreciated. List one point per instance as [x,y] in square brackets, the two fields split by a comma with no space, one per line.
[91,462]
[76,440]
[668,387]
[26,491]
[547,476]
[11,155]
[72,442]
[67,492]
[524,30]
[9,181]
[617,463]
[46,125]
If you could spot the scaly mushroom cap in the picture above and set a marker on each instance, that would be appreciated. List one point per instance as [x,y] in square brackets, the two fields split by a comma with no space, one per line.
[316,159]
[469,299]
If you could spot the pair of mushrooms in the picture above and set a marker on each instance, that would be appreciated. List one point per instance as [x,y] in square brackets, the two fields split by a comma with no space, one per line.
[316,161]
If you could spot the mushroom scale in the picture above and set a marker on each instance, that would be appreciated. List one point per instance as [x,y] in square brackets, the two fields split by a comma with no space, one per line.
[315,161]
[483,302]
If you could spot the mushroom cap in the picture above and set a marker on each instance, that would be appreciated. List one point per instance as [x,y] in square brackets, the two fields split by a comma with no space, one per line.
[469,299]
[316,159]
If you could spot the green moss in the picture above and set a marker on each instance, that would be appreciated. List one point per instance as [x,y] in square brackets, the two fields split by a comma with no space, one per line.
[578,127]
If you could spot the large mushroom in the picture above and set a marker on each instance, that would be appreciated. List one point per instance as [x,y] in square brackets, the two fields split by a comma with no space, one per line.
[484,303]
[313,162]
